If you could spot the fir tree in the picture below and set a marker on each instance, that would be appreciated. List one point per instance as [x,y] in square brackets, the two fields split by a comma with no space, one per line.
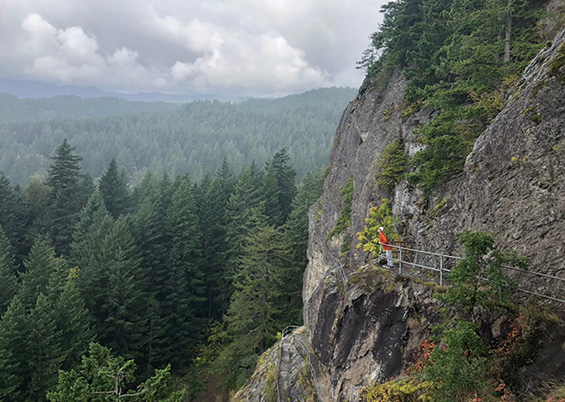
[65,202]
[212,199]
[123,317]
[87,252]
[8,281]
[184,300]
[251,314]
[41,267]
[288,278]
[113,187]
[245,211]
[285,177]
[271,193]
[13,350]
[73,321]
[45,349]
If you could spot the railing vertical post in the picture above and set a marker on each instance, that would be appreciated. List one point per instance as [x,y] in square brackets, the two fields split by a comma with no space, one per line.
[399,260]
[441,270]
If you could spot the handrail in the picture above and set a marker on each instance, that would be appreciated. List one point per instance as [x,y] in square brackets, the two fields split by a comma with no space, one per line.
[443,269]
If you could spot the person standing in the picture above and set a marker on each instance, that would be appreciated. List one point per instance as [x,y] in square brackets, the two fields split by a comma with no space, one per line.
[386,246]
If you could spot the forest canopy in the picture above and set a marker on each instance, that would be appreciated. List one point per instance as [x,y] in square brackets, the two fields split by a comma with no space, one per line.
[193,139]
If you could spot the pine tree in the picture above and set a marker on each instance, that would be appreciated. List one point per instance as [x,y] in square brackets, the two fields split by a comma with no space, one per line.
[66,196]
[8,281]
[113,187]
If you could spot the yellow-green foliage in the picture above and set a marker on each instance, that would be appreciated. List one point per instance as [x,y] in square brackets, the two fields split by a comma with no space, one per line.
[403,390]
[380,215]
[271,386]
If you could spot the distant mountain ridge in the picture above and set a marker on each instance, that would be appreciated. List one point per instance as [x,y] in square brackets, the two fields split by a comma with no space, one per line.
[37,89]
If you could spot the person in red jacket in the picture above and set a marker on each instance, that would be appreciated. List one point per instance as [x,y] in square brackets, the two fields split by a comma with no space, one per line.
[386,246]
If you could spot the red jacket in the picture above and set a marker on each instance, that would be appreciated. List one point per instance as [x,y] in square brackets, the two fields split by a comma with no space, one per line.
[383,240]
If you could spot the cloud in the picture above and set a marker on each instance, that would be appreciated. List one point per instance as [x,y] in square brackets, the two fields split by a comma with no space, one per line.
[245,47]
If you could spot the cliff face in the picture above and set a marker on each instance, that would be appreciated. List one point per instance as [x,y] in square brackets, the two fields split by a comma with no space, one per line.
[362,322]
[512,185]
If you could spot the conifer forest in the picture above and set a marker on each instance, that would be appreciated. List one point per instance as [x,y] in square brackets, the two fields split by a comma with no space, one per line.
[146,283]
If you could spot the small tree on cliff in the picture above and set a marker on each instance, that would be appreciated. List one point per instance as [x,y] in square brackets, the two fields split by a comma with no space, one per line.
[478,280]
[380,215]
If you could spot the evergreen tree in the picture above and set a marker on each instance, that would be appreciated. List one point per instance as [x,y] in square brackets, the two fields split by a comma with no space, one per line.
[285,176]
[185,294]
[152,236]
[41,267]
[14,216]
[87,252]
[251,315]
[73,321]
[103,378]
[8,218]
[271,193]
[123,314]
[212,198]
[44,349]
[288,278]
[14,353]
[113,187]
[66,196]
[245,211]
[8,281]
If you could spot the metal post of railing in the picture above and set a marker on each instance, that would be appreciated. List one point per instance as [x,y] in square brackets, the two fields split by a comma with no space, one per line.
[399,260]
[441,270]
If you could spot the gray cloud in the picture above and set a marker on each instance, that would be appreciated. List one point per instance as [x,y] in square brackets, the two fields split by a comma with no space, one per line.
[244,47]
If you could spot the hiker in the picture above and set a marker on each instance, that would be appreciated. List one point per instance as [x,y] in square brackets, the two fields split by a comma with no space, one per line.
[386,246]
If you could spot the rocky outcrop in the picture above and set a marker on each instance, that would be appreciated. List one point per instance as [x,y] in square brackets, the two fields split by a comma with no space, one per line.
[512,185]
[363,324]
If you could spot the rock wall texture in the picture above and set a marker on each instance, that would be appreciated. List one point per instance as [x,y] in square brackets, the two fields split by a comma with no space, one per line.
[364,324]
[512,185]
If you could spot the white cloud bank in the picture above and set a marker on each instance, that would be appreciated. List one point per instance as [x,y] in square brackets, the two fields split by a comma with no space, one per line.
[243,47]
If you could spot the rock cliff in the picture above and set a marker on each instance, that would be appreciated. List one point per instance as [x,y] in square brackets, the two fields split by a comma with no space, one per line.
[364,323]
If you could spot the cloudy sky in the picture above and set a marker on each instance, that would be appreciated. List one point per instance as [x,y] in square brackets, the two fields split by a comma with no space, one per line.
[224,47]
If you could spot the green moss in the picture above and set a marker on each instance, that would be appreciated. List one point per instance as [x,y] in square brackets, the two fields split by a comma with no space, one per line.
[557,63]
[439,206]
[536,118]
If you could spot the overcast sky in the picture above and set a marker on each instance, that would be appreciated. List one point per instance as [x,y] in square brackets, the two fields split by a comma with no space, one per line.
[223,47]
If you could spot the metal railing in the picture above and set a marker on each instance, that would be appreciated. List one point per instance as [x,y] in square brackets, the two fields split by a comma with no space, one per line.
[443,263]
